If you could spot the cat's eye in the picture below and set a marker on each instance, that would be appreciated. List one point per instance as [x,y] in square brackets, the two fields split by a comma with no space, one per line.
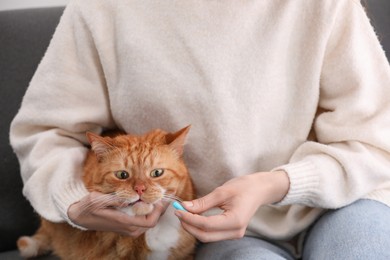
[156,173]
[122,175]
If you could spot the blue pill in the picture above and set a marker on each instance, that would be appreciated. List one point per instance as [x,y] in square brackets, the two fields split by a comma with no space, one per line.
[178,206]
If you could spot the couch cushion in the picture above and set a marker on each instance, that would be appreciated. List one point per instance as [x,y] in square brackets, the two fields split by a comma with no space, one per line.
[24,37]
[379,13]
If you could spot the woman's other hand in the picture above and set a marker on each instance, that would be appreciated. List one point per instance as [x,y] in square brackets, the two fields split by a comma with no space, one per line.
[239,199]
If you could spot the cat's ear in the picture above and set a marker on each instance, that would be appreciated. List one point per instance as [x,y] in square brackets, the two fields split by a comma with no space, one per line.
[99,145]
[177,140]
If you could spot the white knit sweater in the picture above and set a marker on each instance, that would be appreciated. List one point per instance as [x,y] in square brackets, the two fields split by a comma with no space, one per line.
[302,86]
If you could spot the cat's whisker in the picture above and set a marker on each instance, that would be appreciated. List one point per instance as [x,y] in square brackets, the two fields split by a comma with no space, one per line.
[172,197]
[89,206]
[103,201]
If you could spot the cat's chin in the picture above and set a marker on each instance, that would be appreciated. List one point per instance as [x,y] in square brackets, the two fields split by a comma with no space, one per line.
[142,208]
[139,208]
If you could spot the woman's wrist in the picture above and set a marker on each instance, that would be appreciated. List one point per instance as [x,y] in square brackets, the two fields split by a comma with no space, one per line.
[274,186]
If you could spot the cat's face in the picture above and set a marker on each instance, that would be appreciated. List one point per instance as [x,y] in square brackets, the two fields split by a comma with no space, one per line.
[141,170]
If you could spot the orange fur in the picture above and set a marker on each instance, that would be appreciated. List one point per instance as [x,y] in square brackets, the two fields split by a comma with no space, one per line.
[142,158]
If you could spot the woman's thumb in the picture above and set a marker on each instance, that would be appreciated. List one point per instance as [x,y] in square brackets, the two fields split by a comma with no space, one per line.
[202,204]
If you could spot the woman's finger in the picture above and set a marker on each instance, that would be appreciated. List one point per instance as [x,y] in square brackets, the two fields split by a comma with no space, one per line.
[212,236]
[225,221]
[150,220]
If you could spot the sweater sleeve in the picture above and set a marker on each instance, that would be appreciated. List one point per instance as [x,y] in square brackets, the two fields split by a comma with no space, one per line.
[350,157]
[66,97]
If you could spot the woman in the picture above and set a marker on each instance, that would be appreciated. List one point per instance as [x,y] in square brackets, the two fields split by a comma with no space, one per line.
[289,108]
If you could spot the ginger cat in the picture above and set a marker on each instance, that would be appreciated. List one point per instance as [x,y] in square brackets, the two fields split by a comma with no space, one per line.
[141,170]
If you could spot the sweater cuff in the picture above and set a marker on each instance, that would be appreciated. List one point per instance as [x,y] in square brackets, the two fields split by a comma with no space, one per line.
[304,182]
[66,195]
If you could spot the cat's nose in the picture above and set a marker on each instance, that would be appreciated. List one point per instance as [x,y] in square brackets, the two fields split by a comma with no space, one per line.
[140,188]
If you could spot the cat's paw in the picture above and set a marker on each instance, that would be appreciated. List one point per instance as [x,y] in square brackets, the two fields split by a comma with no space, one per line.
[28,247]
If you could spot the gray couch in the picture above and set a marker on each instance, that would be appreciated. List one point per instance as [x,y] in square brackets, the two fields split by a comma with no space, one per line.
[24,36]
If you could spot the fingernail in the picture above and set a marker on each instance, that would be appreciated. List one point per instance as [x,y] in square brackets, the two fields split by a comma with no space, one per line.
[178,213]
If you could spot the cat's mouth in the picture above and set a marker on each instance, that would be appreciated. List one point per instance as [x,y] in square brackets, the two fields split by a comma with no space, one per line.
[143,201]
[135,202]
[138,202]
[137,207]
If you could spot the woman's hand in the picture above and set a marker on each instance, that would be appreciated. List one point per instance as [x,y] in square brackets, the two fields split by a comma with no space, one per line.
[97,211]
[239,199]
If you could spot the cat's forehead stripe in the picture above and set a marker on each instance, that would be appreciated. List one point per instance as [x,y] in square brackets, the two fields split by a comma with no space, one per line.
[139,155]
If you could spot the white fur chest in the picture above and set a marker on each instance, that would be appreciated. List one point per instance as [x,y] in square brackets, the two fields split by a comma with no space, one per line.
[163,236]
